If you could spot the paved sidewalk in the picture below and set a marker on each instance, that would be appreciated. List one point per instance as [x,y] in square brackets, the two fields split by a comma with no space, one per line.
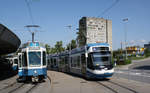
[64,83]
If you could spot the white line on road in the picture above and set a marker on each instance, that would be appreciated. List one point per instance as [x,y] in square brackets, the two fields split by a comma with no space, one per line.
[131,73]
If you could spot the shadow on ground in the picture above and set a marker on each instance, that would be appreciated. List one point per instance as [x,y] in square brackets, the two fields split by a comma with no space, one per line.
[142,68]
[6,70]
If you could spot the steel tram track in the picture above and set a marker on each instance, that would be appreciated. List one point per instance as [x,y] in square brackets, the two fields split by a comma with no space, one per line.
[33,87]
[13,90]
[36,85]
[116,84]
[107,87]
[28,91]
[8,86]
[12,87]
[123,86]
[17,86]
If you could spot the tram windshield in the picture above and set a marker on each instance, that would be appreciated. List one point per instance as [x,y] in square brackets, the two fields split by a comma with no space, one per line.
[101,58]
[34,58]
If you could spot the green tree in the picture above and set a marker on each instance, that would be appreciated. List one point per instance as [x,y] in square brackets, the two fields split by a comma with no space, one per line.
[59,46]
[48,48]
[53,50]
[73,45]
[81,38]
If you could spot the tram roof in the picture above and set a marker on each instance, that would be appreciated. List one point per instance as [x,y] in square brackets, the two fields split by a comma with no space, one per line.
[32,44]
[82,49]
[97,44]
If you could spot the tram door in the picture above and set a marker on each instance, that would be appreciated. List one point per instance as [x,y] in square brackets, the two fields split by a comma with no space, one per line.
[83,66]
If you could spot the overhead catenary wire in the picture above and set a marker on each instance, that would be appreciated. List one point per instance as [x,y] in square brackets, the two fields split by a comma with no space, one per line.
[30,12]
[107,9]
[32,21]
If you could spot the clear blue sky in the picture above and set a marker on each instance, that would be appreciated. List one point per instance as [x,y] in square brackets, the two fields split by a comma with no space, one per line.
[54,15]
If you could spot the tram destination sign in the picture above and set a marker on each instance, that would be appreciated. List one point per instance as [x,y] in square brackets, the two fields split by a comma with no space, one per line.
[34,48]
[100,49]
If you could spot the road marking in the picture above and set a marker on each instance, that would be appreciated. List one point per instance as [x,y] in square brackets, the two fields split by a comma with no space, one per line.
[132,73]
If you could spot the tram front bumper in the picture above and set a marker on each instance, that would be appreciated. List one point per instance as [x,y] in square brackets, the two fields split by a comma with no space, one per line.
[99,74]
[32,72]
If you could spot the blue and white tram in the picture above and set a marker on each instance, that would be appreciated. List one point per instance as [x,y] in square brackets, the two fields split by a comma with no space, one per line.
[53,61]
[14,62]
[64,61]
[92,61]
[32,62]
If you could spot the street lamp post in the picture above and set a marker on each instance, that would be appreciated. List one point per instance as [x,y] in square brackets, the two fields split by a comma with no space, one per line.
[69,26]
[125,30]
[69,65]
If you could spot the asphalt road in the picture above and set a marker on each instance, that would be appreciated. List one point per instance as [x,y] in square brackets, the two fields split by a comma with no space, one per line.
[141,65]
[66,83]
[138,71]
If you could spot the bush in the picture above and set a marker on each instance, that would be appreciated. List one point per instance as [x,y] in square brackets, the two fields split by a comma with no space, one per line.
[123,61]
[128,61]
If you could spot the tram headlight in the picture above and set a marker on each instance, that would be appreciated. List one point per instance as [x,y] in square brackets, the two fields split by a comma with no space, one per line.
[35,71]
[97,64]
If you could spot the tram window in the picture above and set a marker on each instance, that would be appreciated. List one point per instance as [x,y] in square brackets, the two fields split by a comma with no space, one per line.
[63,61]
[78,61]
[66,60]
[24,59]
[48,61]
[54,62]
[60,60]
[74,62]
[71,62]
[44,58]
[51,60]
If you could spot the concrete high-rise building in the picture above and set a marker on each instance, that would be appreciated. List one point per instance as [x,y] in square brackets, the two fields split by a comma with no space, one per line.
[94,30]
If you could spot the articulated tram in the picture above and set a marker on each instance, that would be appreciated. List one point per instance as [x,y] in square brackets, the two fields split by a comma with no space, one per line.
[90,61]
[53,61]
[32,62]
